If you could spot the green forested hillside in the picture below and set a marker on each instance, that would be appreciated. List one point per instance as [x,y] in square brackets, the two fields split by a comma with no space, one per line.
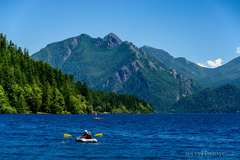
[224,99]
[27,86]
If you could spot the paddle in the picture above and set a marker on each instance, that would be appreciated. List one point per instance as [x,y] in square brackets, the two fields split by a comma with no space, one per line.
[68,135]
[96,135]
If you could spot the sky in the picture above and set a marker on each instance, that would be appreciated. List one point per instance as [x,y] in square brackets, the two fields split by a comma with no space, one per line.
[206,32]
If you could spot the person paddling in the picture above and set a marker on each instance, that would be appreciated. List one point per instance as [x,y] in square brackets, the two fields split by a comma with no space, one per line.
[87,135]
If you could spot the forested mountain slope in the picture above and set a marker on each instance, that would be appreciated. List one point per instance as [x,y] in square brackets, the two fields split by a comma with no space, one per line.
[210,77]
[112,65]
[27,86]
[224,99]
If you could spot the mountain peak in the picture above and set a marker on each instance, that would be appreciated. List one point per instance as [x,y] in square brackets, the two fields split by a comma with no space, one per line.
[113,40]
[112,36]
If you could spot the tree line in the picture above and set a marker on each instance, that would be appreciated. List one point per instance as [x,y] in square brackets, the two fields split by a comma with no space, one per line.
[28,86]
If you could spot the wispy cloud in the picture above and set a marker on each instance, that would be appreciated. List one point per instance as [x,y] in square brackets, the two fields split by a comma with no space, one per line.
[238,50]
[212,64]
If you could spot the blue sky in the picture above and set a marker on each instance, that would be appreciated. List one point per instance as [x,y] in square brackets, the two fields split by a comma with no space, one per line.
[203,31]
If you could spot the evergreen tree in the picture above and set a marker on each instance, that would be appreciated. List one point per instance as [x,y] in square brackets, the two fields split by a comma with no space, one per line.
[57,102]
[46,98]
[75,105]
[4,104]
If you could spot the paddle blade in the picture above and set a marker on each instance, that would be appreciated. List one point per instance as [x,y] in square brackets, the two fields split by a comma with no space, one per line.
[98,135]
[67,135]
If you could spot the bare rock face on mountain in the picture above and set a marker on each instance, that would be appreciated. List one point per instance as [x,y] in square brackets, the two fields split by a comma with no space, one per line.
[112,65]
[112,40]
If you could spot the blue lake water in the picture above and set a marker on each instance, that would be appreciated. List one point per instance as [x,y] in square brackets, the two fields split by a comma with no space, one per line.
[125,136]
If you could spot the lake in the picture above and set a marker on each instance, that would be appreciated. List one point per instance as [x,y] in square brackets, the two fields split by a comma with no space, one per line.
[125,136]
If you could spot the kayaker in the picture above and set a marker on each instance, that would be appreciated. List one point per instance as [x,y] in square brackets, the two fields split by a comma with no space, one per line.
[87,135]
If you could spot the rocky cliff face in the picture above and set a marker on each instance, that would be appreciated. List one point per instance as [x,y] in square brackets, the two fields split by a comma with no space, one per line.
[111,40]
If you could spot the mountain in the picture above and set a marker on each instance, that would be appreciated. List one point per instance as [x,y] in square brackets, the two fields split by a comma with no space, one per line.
[27,86]
[224,99]
[112,65]
[228,73]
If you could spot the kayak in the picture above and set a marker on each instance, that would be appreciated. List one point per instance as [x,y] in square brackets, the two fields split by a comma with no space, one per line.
[85,140]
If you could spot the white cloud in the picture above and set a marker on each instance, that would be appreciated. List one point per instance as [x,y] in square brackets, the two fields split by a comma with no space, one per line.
[238,50]
[212,64]
[216,63]
[202,65]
